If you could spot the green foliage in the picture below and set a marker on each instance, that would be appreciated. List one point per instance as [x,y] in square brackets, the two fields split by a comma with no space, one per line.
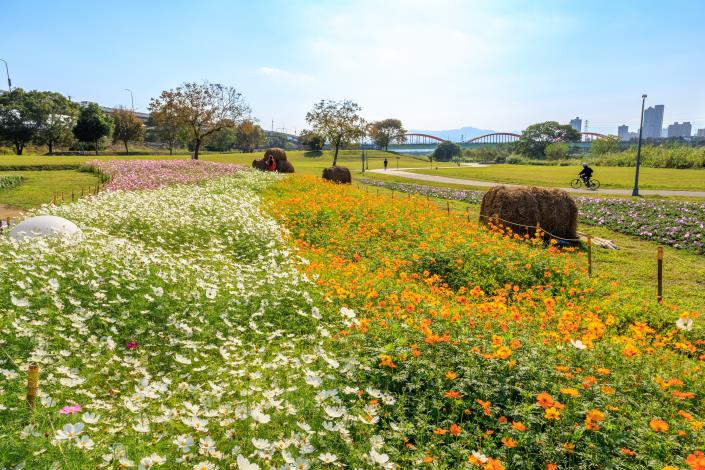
[92,125]
[537,137]
[19,118]
[128,127]
[605,145]
[312,140]
[383,132]
[56,119]
[11,181]
[249,136]
[489,153]
[337,121]
[556,151]
[166,128]
[222,140]
[445,151]
[664,156]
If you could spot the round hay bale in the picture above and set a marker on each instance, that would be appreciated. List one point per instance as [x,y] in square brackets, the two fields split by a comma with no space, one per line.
[285,167]
[278,154]
[337,174]
[259,164]
[521,208]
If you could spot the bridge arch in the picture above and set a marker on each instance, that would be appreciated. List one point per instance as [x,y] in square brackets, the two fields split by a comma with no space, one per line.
[590,136]
[415,139]
[495,138]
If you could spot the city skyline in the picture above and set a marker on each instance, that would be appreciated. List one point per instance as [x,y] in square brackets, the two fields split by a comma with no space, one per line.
[491,65]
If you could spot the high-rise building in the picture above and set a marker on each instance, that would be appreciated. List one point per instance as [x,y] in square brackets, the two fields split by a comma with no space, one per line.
[653,122]
[701,133]
[679,130]
[577,124]
[623,132]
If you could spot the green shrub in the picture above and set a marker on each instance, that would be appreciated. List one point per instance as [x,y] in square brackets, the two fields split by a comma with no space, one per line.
[11,181]
[556,151]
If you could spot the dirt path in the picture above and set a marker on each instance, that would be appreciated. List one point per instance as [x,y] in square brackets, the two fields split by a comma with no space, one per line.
[486,184]
[9,211]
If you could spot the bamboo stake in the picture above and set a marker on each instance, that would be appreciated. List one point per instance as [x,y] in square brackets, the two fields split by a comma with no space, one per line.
[589,250]
[659,274]
[32,383]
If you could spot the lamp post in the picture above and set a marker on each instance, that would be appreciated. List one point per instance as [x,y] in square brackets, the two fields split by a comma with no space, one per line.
[7,71]
[132,99]
[635,191]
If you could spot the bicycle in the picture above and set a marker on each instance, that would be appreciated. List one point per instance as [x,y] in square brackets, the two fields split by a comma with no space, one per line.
[578,183]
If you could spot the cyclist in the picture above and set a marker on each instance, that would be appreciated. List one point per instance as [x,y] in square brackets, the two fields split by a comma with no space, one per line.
[586,174]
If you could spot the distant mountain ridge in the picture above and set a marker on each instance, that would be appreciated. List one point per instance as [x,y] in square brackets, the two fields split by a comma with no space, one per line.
[455,135]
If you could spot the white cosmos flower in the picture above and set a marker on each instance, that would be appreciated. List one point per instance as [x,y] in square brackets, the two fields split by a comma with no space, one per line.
[150,461]
[19,302]
[90,418]
[206,444]
[183,442]
[244,464]
[377,458]
[684,324]
[182,359]
[142,425]
[84,442]
[347,313]
[261,444]
[328,458]
[334,412]
[211,292]
[313,380]
[479,456]
[204,466]
[260,416]
[69,432]
[578,344]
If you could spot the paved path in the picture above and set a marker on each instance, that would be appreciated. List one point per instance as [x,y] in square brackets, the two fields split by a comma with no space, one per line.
[403,173]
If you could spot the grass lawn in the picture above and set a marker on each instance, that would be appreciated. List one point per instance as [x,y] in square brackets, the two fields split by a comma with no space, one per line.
[561,176]
[38,187]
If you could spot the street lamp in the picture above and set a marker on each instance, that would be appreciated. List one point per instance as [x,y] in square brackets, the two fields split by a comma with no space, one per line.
[132,99]
[7,71]
[635,191]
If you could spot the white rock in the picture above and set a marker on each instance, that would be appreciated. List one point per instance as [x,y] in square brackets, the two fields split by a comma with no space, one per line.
[43,226]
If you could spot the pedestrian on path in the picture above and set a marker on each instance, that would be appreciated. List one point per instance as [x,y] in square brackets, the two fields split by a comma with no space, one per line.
[385,163]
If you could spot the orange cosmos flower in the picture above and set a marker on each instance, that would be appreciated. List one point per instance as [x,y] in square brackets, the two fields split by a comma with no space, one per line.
[440,431]
[570,391]
[509,442]
[452,394]
[450,375]
[552,413]
[485,406]
[658,425]
[544,400]
[455,429]
[518,425]
[696,461]
[493,464]
[626,451]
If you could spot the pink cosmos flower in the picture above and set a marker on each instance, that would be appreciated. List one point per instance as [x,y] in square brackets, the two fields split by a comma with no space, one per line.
[132,344]
[70,409]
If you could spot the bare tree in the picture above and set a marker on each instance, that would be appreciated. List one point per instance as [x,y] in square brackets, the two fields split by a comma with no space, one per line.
[202,109]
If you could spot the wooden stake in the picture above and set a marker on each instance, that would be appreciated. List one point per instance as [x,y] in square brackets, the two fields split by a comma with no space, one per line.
[53,199]
[62,196]
[72,198]
[448,207]
[8,220]
[589,250]
[659,274]
[32,383]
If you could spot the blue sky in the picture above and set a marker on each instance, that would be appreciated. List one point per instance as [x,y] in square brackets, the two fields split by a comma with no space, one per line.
[436,65]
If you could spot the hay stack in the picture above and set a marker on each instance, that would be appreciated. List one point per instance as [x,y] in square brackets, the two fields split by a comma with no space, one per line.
[553,209]
[337,174]
[279,155]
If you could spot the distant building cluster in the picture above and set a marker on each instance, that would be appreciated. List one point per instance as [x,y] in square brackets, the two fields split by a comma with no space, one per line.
[653,127]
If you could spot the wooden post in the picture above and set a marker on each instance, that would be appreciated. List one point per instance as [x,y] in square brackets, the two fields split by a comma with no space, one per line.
[589,250]
[81,191]
[62,196]
[392,194]
[72,198]
[467,211]
[8,220]
[659,274]
[32,383]
[53,199]
[448,207]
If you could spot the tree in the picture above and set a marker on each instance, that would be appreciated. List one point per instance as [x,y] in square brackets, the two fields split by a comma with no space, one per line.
[276,139]
[202,109]
[167,128]
[92,125]
[383,132]
[56,118]
[128,127]
[248,136]
[221,141]
[556,151]
[536,137]
[19,117]
[605,145]
[312,140]
[337,121]
[445,151]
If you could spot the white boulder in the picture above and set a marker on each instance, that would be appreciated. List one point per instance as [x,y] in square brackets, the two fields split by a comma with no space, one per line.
[44,226]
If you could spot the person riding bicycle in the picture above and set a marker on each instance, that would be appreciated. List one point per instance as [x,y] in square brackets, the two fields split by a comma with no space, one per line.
[586,174]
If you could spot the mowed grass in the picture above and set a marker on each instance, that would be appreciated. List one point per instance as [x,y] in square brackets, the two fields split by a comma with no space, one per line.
[38,187]
[561,176]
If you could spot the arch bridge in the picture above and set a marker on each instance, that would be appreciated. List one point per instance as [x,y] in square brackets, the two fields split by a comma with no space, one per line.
[494,138]
[417,139]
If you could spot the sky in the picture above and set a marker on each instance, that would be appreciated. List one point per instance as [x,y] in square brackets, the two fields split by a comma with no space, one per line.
[441,64]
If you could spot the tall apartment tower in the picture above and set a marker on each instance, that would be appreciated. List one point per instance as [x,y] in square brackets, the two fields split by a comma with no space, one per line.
[577,124]
[680,130]
[623,133]
[653,122]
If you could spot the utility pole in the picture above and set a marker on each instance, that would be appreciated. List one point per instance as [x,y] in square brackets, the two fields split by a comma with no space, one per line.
[7,71]
[635,191]
[132,100]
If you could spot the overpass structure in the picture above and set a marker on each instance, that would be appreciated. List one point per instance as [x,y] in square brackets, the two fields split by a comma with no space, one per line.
[415,141]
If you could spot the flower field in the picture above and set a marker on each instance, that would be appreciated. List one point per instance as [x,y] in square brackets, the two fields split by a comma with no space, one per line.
[253,321]
[152,174]
[677,224]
